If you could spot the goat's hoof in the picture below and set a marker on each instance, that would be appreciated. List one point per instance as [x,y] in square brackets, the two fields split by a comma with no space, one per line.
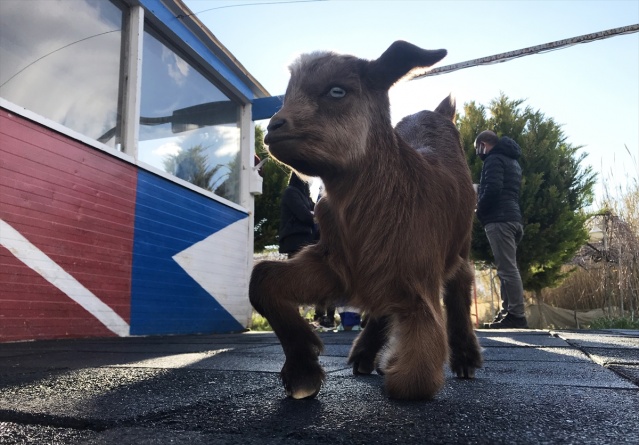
[464,366]
[465,372]
[363,367]
[302,380]
[303,393]
[363,362]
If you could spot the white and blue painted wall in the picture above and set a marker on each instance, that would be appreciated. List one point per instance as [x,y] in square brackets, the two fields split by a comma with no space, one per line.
[190,260]
[94,243]
[101,247]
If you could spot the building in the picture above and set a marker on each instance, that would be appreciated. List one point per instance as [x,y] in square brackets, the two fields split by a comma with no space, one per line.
[126,171]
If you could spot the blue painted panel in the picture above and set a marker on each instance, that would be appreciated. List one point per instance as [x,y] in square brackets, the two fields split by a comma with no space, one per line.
[266,107]
[157,8]
[164,298]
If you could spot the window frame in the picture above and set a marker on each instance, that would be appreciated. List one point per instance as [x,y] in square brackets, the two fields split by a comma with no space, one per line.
[135,16]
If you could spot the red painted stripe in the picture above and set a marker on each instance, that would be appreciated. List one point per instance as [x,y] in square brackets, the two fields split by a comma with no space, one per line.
[98,226]
[15,278]
[77,205]
[46,314]
[30,179]
[28,134]
[35,169]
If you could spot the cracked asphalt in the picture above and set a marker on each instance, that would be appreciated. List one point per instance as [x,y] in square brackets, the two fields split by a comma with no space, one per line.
[536,387]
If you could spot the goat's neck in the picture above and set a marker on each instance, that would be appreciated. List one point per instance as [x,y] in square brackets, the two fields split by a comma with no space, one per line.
[383,163]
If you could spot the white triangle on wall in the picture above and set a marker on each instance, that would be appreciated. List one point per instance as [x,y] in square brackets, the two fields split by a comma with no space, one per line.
[219,263]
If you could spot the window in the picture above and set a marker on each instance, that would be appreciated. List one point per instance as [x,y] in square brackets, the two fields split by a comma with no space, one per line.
[188,127]
[61,60]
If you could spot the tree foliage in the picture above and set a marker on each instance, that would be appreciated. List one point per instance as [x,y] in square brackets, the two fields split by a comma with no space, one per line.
[555,188]
[230,186]
[267,205]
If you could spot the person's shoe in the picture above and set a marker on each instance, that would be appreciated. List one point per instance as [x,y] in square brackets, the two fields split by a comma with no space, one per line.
[498,317]
[510,322]
[327,323]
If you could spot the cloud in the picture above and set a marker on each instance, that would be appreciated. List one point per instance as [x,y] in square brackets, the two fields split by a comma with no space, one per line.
[178,69]
[168,149]
[229,138]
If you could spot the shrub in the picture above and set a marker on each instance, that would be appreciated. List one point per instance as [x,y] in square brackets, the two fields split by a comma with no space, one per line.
[259,323]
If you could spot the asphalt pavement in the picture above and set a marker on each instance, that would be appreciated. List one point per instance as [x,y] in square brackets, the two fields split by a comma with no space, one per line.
[536,387]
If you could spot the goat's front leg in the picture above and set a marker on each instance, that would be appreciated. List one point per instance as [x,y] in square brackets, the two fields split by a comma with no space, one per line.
[367,344]
[413,359]
[276,290]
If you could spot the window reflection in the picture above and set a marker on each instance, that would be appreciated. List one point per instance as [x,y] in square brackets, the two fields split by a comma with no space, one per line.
[188,127]
[61,60]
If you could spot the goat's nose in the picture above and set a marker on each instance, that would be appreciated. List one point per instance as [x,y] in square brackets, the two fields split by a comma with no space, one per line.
[274,124]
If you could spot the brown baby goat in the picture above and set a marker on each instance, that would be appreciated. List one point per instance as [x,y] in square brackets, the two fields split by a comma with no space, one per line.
[395,226]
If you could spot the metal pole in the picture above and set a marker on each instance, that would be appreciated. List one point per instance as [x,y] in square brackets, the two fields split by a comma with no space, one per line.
[475,295]
[551,46]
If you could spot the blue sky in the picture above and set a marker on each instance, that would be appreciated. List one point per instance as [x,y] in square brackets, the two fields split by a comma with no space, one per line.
[591,89]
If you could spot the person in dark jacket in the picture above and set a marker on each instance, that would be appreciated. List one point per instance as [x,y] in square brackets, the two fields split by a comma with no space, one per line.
[499,213]
[297,224]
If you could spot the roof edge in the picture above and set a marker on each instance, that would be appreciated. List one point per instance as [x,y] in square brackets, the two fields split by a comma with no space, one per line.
[204,34]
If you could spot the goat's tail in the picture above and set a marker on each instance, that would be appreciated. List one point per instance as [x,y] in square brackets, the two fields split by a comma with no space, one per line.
[447,108]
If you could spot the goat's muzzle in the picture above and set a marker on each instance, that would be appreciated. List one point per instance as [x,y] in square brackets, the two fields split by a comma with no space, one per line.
[274,125]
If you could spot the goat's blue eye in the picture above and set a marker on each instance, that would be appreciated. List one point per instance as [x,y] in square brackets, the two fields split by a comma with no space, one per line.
[337,92]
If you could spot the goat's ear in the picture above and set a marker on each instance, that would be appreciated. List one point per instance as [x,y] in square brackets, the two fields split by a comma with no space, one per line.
[447,108]
[398,60]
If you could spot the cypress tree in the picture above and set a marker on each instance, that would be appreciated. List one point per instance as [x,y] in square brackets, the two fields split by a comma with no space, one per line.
[556,188]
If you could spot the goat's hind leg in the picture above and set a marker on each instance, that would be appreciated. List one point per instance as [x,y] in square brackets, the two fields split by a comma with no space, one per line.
[276,290]
[465,355]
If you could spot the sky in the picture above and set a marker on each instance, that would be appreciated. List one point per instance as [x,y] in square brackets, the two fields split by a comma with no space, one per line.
[590,89]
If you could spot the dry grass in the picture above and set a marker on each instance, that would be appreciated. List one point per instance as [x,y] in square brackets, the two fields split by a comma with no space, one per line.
[607,270]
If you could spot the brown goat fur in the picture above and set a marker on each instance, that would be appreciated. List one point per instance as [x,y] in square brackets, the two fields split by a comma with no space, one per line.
[395,226]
